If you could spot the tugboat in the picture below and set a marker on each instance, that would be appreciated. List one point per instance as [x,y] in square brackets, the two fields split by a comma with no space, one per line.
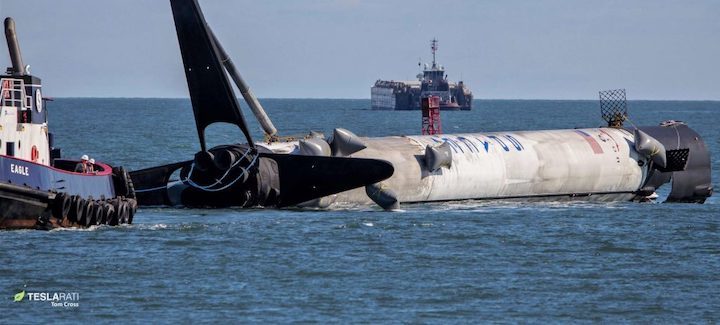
[38,190]
[406,95]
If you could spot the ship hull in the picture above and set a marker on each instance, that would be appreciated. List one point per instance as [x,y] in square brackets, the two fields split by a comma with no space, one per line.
[406,96]
[22,207]
[413,108]
[35,196]
[47,178]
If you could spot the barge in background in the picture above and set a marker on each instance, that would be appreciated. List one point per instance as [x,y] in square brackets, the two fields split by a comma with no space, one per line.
[406,95]
[38,190]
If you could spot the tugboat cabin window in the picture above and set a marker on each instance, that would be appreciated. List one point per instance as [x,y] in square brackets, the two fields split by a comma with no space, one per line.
[10,150]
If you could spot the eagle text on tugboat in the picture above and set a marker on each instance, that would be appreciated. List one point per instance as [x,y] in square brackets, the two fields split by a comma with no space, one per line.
[20,170]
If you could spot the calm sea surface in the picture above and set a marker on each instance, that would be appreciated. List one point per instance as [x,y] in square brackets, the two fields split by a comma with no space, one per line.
[435,263]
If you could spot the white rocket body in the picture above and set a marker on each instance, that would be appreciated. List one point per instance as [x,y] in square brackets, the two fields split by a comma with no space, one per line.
[598,164]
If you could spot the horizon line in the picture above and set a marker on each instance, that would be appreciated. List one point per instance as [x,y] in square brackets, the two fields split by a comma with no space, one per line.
[356,98]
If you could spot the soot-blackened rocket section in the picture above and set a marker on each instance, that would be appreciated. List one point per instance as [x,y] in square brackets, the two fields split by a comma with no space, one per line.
[238,174]
[212,98]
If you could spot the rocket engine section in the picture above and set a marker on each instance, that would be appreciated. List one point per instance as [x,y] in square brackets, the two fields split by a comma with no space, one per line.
[596,164]
[687,165]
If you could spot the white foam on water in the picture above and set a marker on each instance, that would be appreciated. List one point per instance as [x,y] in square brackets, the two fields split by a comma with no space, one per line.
[355,207]
[507,205]
[158,226]
[141,226]
[91,228]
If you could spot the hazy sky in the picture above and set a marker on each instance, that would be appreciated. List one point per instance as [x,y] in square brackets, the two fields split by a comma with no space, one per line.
[338,48]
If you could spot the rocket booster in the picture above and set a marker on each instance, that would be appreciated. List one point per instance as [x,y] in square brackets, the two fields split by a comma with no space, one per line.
[528,164]
[593,164]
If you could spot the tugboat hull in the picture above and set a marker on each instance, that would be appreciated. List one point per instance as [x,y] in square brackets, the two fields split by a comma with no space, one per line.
[22,207]
[34,196]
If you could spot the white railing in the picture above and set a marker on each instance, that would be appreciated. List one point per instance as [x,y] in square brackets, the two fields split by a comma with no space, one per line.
[12,93]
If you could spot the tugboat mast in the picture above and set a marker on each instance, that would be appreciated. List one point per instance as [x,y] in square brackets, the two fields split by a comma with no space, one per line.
[433,47]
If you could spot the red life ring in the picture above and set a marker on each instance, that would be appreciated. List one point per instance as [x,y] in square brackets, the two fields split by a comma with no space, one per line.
[34,154]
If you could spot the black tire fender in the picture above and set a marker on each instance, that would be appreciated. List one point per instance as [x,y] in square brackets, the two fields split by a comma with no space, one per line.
[61,206]
[89,213]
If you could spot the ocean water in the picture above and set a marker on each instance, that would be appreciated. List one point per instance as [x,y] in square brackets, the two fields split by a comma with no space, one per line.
[429,263]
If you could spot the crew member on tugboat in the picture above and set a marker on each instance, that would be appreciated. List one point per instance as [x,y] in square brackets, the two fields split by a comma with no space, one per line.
[82,166]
